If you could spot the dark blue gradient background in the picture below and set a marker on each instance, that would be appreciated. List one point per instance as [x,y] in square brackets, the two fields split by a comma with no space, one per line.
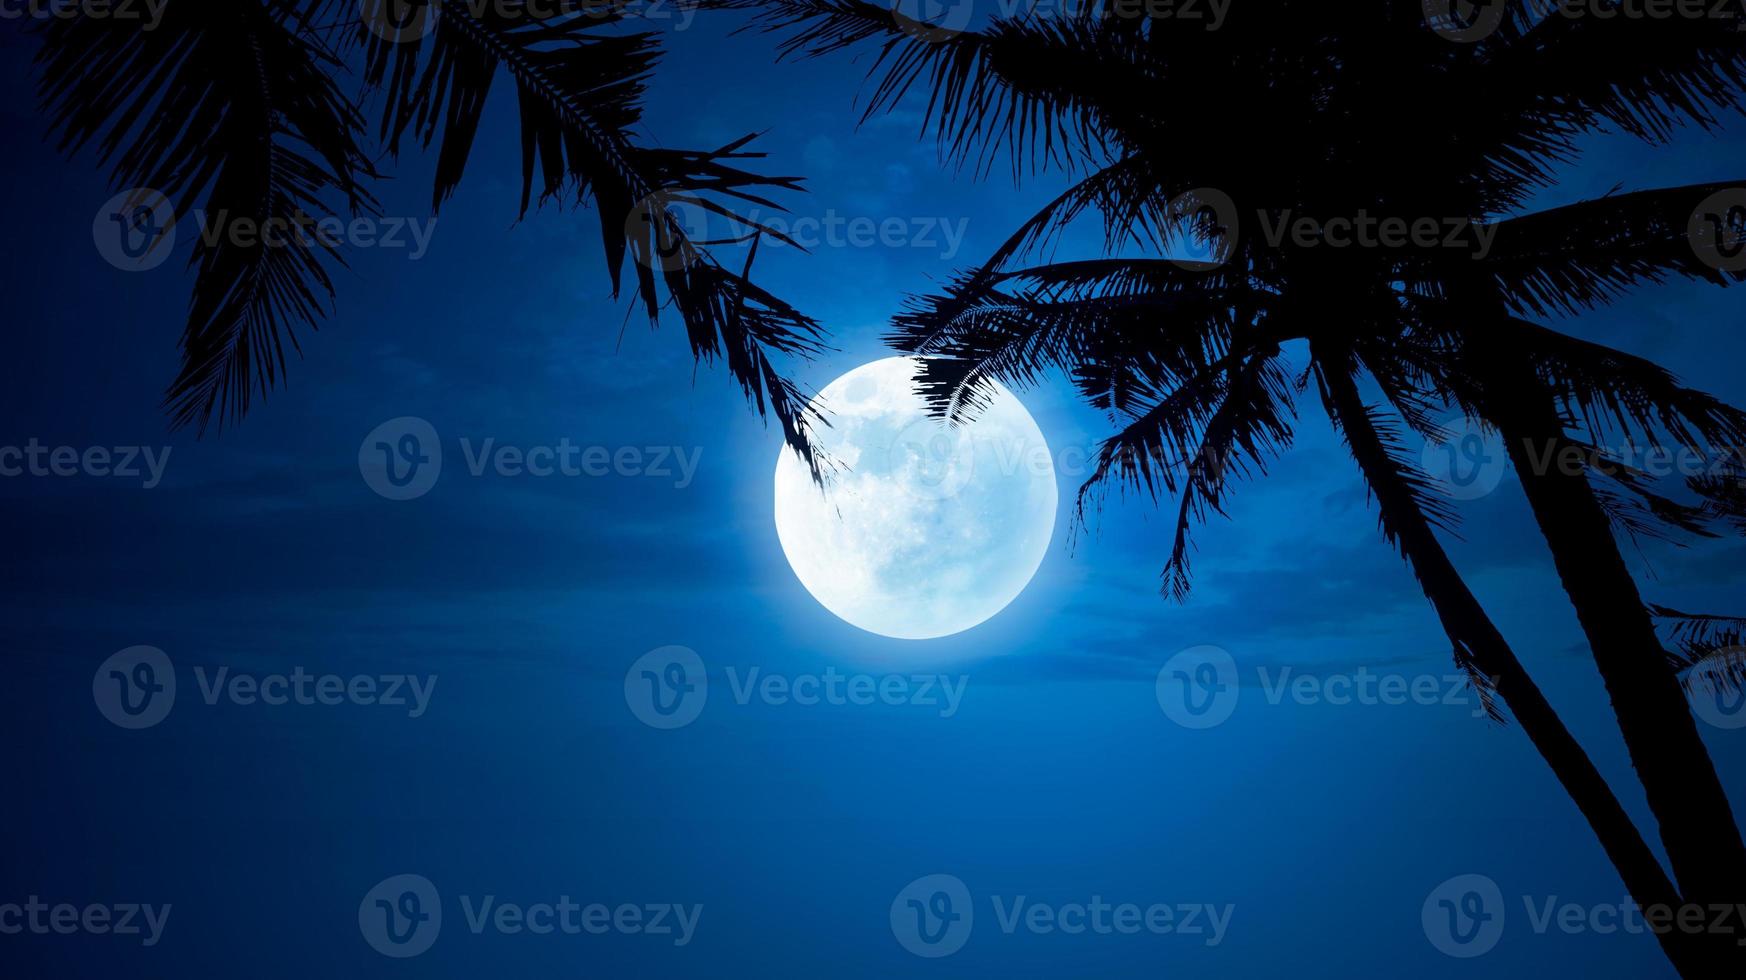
[528,778]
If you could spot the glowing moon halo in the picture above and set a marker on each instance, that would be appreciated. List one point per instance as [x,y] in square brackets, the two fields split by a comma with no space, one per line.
[928,529]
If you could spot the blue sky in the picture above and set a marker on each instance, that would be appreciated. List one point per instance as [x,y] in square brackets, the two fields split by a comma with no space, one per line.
[1324,826]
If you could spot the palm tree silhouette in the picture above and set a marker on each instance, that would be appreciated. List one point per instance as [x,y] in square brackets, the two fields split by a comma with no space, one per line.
[1297,110]
[235,108]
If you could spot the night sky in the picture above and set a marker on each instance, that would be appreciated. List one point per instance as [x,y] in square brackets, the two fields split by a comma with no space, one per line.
[1322,827]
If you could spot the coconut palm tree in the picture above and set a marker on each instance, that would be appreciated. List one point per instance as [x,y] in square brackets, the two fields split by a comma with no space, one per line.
[240,109]
[1251,140]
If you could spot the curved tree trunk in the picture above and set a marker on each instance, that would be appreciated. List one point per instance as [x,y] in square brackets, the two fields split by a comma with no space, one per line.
[1469,626]
[1697,823]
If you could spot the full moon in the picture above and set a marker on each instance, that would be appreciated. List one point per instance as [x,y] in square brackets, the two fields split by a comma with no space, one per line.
[926,529]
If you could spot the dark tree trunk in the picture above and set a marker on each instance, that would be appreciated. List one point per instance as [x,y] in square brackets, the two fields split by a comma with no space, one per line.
[1696,821]
[1468,625]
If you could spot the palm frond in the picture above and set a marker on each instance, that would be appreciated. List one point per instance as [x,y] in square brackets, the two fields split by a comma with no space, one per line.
[230,111]
[1711,649]
[1036,88]
[1226,422]
[580,86]
[1566,260]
